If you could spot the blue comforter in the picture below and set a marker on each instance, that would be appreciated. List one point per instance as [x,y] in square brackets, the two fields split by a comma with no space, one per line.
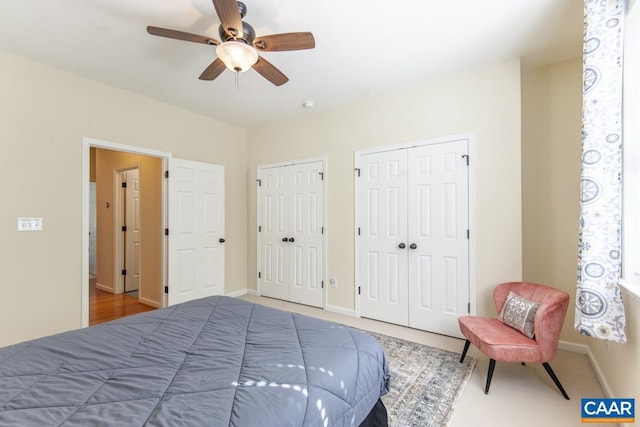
[216,361]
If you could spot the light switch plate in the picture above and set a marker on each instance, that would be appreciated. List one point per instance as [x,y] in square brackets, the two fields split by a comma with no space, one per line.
[29,224]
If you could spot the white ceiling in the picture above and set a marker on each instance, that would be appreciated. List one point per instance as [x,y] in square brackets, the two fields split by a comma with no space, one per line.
[363,47]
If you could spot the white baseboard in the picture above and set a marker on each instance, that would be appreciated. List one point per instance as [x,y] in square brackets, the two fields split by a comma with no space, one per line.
[584,349]
[340,310]
[150,302]
[236,294]
[104,288]
[574,347]
[242,292]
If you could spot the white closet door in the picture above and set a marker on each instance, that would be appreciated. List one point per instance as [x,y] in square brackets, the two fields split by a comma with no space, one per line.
[383,230]
[438,224]
[306,242]
[274,226]
[196,230]
[291,241]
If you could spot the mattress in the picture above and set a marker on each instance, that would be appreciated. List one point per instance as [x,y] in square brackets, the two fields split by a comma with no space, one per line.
[216,361]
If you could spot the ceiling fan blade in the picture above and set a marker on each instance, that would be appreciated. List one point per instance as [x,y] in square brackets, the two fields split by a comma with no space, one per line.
[229,15]
[270,72]
[285,41]
[213,70]
[181,35]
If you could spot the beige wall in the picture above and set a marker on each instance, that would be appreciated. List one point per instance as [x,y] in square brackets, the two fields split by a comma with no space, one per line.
[484,101]
[551,111]
[46,113]
[108,163]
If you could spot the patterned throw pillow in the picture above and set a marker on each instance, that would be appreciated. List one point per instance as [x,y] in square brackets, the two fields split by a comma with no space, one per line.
[519,313]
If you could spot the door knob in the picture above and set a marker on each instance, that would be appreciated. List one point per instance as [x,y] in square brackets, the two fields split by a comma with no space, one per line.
[402,246]
[284,239]
[221,240]
[291,239]
[413,246]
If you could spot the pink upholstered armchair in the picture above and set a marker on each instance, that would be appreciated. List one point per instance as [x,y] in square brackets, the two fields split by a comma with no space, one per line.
[501,342]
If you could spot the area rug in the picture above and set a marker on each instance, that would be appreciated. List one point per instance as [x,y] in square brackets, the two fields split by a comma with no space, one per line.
[426,382]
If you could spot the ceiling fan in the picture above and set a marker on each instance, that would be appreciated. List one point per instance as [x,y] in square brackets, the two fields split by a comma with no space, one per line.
[239,47]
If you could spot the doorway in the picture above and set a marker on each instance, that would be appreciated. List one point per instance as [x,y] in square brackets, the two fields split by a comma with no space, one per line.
[153,295]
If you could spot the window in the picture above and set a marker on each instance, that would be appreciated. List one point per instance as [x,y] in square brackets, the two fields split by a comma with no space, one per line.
[631,152]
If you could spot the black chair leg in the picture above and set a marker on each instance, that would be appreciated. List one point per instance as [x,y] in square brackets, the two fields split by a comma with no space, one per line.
[492,366]
[547,367]
[464,352]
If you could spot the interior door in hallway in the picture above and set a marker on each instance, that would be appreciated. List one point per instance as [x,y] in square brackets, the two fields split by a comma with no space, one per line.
[196,230]
[291,228]
[131,180]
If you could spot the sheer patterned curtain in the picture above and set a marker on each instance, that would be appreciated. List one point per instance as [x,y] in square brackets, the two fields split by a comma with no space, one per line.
[599,308]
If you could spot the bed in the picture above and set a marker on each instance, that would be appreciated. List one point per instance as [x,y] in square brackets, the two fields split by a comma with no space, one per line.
[216,361]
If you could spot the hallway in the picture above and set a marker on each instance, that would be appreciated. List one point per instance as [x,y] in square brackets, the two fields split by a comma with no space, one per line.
[104,306]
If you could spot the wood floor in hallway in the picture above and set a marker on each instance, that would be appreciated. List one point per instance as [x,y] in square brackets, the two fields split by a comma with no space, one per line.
[105,306]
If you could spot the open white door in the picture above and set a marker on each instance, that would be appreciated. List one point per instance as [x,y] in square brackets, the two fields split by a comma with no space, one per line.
[196,230]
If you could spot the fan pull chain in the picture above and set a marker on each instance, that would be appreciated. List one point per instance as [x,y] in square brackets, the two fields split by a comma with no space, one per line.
[237,80]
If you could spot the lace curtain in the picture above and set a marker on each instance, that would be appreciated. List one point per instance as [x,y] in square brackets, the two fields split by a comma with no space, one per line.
[599,308]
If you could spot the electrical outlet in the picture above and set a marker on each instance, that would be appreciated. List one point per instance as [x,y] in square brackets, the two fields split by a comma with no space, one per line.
[333,281]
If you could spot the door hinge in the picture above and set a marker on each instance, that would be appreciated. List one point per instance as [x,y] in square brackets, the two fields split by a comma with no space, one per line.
[124,184]
[357,170]
[124,228]
[321,230]
[166,289]
[166,231]
[358,231]
[259,182]
[466,157]
[321,175]
[322,284]
[358,290]
[468,308]
[259,275]
[166,174]
[468,234]
[259,229]
[124,272]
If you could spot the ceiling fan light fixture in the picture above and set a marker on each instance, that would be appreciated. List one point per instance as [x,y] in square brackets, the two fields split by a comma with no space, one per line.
[237,56]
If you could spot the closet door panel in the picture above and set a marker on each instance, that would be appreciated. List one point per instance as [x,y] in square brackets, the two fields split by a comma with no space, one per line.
[307,252]
[383,229]
[291,217]
[274,252]
[438,223]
